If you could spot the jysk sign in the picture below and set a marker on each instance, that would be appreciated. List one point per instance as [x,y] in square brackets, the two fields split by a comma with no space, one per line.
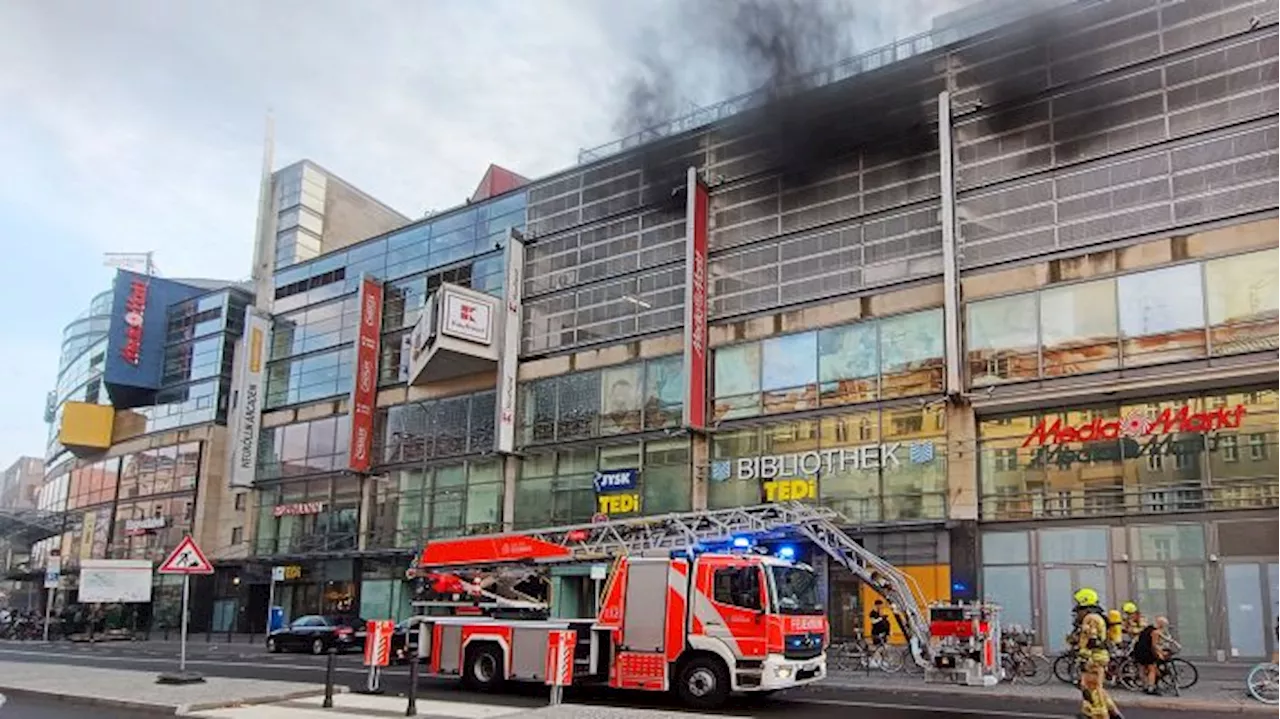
[616,491]
[364,386]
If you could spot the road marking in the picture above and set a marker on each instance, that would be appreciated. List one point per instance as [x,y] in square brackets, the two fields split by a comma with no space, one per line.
[256,665]
[931,708]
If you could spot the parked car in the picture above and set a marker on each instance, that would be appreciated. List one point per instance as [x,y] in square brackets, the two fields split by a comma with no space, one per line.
[318,633]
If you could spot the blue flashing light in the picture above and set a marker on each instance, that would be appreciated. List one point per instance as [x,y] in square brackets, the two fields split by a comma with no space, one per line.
[741,543]
[959,587]
[787,552]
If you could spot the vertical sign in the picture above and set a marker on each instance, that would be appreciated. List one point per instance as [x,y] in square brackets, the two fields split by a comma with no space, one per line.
[364,386]
[695,304]
[509,353]
[246,410]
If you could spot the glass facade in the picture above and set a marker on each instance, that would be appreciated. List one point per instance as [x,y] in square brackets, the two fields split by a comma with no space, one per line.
[1188,453]
[557,487]
[440,500]
[431,429]
[641,396]
[306,516]
[304,448]
[897,356]
[1222,306]
[878,465]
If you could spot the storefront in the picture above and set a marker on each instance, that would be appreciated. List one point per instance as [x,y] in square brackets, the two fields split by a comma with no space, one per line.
[1167,502]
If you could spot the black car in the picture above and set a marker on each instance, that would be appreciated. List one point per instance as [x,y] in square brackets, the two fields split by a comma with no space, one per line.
[318,633]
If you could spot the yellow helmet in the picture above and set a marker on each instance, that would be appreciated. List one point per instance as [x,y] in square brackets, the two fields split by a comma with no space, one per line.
[1130,608]
[1085,597]
[1113,616]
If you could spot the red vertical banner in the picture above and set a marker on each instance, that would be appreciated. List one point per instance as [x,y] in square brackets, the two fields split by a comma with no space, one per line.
[695,303]
[364,386]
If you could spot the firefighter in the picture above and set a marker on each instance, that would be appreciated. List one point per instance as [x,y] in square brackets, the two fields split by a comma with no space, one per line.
[1133,621]
[1115,629]
[1095,701]
[1086,600]
[1091,641]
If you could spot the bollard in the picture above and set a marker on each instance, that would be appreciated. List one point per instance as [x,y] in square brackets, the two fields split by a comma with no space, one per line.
[328,680]
[208,634]
[412,709]
[166,632]
[229,628]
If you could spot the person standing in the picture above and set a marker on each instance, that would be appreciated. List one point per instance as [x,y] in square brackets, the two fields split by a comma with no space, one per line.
[880,626]
[1148,652]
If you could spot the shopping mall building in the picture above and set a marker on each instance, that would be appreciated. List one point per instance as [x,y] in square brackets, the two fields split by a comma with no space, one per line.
[1007,303]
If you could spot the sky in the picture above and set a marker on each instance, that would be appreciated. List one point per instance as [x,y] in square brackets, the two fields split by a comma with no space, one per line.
[137,125]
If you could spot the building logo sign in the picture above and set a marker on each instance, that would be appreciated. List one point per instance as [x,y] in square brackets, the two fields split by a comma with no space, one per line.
[695,303]
[135,312]
[297,510]
[147,525]
[1133,437]
[504,438]
[246,412]
[617,491]
[828,461]
[364,387]
[467,318]
[1136,424]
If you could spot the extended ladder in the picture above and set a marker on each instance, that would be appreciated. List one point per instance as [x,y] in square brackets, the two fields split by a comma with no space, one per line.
[638,536]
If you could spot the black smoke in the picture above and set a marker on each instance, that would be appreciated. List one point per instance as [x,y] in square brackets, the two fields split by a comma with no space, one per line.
[798,122]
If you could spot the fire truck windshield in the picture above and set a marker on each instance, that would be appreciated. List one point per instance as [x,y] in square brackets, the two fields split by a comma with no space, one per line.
[795,590]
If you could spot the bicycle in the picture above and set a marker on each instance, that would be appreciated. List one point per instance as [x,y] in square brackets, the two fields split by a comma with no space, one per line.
[1019,664]
[1263,683]
[855,655]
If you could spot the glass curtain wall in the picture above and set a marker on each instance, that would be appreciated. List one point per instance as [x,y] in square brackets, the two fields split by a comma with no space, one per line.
[616,400]
[1223,306]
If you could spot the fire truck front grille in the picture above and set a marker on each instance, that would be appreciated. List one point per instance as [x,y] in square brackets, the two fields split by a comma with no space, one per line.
[802,646]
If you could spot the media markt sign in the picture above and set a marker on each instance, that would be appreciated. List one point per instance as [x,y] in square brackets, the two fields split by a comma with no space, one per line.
[1135,435]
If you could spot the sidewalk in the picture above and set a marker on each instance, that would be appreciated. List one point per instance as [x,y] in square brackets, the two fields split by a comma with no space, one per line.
[138,690]
[351,706]
[1224,692]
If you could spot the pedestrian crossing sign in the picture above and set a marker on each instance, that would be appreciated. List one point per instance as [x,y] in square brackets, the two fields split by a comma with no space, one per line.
[186,559]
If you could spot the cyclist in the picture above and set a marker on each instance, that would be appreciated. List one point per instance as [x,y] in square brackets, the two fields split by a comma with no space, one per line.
[1148,652]
[880,626]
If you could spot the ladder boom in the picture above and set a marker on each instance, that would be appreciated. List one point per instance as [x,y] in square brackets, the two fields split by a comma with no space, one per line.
[637,536]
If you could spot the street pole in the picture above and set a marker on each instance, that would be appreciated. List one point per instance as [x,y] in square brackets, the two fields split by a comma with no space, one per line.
[48,611]
[186,592]
[271,599]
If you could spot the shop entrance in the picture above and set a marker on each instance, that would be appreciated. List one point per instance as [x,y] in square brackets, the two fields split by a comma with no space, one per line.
[1178,593]
[1251,589]
[1060,584]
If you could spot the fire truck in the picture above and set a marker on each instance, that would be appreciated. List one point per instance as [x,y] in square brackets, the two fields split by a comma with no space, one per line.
[686,606]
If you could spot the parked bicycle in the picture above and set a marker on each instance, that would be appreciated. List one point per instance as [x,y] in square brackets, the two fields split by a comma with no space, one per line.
[1264,683]
[856,655]
[1017,661]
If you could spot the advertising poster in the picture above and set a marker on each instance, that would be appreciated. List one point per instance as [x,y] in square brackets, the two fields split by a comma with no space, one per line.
[364,385]
[695,304]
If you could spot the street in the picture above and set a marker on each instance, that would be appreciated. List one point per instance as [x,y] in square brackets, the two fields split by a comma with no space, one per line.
[823,701]
[26,707]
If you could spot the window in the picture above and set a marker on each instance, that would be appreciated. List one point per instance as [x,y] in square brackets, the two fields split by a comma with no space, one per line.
[1006,460]
[911,361]
[848,363]
[738,586]
[1243,294]
[1002,339]
[242,499]
[1162,315]
[621,399]
[237,536]
[1229,446]
[1078,328]
[737,381]
[789,372]
[1257,447]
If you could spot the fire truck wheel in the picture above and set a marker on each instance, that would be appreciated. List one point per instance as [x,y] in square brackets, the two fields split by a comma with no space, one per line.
[703,682]
[483,668]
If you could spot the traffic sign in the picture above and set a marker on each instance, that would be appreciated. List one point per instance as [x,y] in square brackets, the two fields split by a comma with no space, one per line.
[186,559]
[52,572]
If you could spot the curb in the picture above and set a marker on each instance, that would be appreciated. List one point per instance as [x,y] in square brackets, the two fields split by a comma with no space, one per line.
[144,707]
[1141,702]
[188,709]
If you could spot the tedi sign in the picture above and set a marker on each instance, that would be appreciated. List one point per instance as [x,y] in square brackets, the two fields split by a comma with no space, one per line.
[1136,424]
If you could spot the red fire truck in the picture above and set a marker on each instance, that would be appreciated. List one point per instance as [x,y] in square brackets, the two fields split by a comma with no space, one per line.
[686,606]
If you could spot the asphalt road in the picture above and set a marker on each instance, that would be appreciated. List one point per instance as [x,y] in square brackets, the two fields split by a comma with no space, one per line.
[252,661]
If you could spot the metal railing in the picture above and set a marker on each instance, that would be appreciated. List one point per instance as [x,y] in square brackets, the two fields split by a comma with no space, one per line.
[1173,498]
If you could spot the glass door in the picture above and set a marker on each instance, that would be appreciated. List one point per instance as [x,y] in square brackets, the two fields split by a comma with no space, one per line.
[1251,609]
[1060,584]
[1178,593]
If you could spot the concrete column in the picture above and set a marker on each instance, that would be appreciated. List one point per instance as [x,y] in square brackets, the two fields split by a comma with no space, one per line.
[700,468]
[510,471]
[367,485]
[962,462]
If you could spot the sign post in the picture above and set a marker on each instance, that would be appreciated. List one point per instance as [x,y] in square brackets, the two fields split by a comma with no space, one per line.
[186,559]
[277,575]
[52,577]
